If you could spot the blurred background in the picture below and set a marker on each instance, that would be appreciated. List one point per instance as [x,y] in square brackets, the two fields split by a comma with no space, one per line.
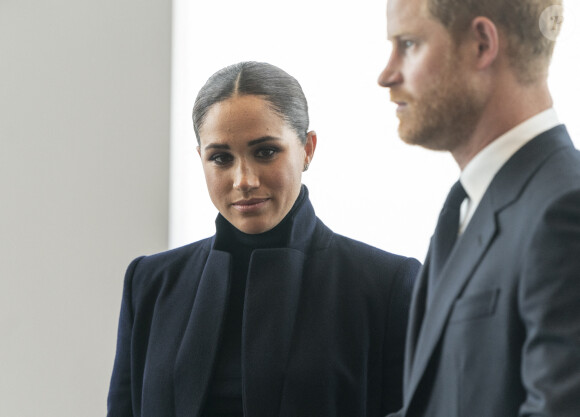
[98,161]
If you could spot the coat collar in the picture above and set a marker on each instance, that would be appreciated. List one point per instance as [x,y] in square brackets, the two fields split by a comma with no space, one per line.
[272,296]
[425,330]
[294,231]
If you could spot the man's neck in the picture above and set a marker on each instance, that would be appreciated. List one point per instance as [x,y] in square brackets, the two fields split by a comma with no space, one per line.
[506,108]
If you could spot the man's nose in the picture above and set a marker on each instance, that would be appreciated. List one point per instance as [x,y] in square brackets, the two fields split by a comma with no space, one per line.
[391,75]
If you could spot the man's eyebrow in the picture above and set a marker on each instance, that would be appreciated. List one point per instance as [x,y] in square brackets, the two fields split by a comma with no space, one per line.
[397,36]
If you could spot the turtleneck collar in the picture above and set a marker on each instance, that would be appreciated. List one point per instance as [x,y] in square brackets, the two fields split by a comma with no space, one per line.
[291,232]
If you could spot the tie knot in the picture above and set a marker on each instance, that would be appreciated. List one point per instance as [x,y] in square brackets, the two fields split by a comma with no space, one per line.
[455,197]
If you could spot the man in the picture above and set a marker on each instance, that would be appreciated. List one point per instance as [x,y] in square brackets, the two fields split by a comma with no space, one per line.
[495,318]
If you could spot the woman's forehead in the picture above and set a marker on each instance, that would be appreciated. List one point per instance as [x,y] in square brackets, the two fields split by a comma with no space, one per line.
[243,119]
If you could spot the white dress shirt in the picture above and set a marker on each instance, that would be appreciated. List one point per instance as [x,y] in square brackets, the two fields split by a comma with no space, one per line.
[479,172]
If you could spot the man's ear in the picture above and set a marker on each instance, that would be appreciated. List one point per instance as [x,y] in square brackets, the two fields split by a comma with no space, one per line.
[486,36]
[198,151]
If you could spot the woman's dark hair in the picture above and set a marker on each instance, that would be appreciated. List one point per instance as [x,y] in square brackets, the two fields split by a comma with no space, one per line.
[282,92]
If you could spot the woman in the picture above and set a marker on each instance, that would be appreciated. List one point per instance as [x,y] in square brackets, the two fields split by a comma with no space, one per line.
[275,315]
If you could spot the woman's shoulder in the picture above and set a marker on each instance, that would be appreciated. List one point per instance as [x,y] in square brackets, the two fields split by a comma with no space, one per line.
[364,251]
[152,270]
[179,254]
[351,254]
[352,248]
[359,267]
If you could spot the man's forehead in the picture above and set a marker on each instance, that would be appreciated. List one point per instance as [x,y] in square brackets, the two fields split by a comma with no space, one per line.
[405,16]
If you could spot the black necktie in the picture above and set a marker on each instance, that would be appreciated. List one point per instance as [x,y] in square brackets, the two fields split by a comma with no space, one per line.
[445,233]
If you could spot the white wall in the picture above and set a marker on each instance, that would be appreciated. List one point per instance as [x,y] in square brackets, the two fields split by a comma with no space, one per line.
[84,162]
[364,181]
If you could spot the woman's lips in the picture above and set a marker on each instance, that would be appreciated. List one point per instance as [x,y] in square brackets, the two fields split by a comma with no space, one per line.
[247,206]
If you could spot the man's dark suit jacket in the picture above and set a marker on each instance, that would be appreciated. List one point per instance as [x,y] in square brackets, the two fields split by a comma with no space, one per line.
[323,328]
[501,337]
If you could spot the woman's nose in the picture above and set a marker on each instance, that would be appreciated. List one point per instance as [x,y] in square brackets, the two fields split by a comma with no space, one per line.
[246,177]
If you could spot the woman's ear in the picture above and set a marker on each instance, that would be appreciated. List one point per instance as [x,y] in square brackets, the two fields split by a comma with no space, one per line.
[310,146]
[198,150]
[486,36]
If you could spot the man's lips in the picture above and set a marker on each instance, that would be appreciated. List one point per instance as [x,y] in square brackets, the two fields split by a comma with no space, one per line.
[401,105]
[250,204]
[401,100]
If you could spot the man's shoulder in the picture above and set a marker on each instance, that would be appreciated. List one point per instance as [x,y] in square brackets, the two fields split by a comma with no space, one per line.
[545,167]
[559,171]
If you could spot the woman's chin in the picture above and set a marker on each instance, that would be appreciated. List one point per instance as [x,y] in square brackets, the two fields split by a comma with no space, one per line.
[253,226]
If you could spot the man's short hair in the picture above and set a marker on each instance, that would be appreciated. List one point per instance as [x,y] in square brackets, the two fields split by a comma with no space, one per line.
[528,48]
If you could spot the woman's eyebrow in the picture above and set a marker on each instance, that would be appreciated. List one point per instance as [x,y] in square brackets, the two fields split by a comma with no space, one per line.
[250,143]
[217,146]
[263,139]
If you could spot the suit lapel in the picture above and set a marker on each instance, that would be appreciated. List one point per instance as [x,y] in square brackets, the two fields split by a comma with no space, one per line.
[464,258]
[426,330]
[199,347]
[272,296]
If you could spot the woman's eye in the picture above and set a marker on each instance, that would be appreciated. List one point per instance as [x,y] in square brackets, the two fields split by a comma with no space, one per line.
[266,153]
[221,158]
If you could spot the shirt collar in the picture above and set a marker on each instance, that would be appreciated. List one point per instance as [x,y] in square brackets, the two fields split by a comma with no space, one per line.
[479,172]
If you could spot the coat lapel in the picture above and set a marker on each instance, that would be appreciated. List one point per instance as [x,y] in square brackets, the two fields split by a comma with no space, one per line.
[270,309]
[416,315]
[197,353]
[272,296]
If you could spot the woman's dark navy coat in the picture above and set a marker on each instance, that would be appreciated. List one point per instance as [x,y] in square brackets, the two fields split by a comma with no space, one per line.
[322,335]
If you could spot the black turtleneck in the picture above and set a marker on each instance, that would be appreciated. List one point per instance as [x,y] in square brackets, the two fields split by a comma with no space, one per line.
[224,397]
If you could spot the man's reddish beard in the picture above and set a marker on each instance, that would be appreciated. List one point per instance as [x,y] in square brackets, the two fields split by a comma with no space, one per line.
[400,97]
[443,116]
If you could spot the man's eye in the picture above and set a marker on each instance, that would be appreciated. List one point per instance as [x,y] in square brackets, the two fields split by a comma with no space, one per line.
[221,158]
[406,44]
